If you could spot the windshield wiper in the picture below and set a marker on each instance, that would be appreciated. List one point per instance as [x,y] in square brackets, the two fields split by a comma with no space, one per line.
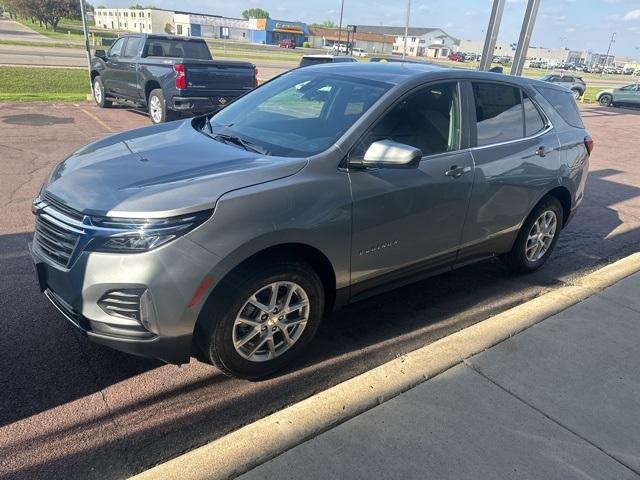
[241,142]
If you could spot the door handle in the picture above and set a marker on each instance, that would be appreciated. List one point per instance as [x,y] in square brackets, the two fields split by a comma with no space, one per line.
[456,171]
[542,151]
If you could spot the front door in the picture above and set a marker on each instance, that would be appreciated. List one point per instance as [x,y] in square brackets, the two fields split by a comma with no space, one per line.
[409,220]
[128,68]
[111,76]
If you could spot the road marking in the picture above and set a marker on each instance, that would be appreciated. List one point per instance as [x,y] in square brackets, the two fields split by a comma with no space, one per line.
[97,120]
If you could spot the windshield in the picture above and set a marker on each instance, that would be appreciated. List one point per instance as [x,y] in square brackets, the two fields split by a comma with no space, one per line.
[298,114]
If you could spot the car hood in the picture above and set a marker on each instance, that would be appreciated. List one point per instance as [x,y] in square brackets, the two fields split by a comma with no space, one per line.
[158,171]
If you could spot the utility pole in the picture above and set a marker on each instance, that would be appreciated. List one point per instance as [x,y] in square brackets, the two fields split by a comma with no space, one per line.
[406,29]
[340,26]
[492,35]
[606,60]
[85,29]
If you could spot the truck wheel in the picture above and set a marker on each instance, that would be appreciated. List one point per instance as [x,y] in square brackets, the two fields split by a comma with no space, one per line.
[99,94]
[157,106]
[261,318]
[537,237]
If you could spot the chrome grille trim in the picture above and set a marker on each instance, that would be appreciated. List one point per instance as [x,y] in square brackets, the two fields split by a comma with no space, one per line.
[56,234]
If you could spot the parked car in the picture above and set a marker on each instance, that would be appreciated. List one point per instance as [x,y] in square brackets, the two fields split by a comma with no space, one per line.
[228,236]
[456,57]
[307,60]
[572,82]
[339,48]
[359,52]
[627,95]
[169,76]
[287,43]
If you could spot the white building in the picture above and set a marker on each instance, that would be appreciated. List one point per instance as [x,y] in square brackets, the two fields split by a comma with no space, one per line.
[433,42]
[148,20]
[193,24]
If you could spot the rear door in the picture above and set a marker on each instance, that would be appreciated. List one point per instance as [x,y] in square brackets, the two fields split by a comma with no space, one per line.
[128,68]
[516,157]
[409,220]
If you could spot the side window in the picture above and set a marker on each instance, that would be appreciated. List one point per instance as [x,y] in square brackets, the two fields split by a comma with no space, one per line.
[498,113]
[567,79]
[563,103]
[133,47]
[428,119]
[533,121]
[116,48]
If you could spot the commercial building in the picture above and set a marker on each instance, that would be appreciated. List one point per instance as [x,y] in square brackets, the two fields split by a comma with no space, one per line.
[270,31]
[372,43]
[214,26]
[432,42]
[147,20]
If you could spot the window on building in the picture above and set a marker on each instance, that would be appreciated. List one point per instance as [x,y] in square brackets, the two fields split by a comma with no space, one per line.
[428,119]
[498,113]
[149,14]
[179,29]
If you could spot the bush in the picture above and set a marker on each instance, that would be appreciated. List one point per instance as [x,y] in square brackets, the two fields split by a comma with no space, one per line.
[306,45]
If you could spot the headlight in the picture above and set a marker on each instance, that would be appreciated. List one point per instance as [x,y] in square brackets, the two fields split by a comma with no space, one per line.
[141,235]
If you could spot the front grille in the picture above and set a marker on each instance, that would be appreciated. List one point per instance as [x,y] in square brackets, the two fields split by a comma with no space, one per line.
[55,235]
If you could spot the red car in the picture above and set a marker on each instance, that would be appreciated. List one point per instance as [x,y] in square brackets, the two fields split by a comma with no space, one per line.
[456,57]
[287,43]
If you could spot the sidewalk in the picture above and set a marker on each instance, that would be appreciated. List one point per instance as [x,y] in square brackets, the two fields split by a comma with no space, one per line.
[560,400]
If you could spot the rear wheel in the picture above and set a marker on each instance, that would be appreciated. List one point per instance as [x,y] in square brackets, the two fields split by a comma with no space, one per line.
[99,94]
[576,93]
[606,100]
[537,237]
[157,105]
[261,318]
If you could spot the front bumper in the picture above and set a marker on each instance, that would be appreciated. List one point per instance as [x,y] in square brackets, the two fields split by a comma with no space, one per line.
[172,274]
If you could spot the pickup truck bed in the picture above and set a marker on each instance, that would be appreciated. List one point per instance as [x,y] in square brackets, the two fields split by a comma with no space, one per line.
[168,76]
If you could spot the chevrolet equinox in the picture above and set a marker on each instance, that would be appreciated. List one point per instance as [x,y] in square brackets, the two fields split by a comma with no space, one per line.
[227,237]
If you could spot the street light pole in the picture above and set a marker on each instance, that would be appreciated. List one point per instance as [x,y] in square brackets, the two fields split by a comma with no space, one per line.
[406,29]
[85,29]
[606,60]
[340,26]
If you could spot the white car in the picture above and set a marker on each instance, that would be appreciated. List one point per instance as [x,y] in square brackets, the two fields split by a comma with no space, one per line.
[359,52]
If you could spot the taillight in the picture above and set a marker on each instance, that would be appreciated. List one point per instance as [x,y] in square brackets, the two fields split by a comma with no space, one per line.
[255,77]
[588,142]
[181,76]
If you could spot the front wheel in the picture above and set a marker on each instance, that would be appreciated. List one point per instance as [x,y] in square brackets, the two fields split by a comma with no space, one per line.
[261,319]
[537,237]
[606,100]
[99,94]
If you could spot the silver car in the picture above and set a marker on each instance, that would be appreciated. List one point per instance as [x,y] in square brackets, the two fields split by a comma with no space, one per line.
[228,237]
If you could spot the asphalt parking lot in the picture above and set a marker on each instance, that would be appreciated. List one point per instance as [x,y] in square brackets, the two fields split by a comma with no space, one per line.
[71,409]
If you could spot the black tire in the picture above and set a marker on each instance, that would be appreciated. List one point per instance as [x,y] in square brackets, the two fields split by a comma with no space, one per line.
[215,326]
[158,112]
[605,100]
[576,93]
[517,259]
[99,93]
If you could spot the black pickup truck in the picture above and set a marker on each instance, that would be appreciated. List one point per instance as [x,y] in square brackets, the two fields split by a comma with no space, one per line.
[168,75]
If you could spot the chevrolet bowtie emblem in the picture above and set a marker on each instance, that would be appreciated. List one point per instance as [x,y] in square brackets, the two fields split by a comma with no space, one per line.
[222,100]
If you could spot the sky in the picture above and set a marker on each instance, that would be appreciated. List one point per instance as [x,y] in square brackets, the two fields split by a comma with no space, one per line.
[575,24]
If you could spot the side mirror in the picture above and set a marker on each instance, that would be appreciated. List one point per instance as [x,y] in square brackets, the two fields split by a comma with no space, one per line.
[101,54]
[387,153]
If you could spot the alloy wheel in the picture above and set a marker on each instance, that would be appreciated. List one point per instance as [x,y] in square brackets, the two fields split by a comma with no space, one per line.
[155,109]
[271,321]
[97,91]
[541,236]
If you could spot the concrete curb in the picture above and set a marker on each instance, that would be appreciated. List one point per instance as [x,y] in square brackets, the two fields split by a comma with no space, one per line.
[254,444]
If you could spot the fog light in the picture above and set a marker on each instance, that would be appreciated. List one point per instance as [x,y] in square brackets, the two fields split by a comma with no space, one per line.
[148,316]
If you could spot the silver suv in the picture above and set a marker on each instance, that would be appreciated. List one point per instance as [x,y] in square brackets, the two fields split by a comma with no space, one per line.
[572,82]
[228,237]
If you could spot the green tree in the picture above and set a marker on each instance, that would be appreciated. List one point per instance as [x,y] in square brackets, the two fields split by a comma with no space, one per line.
[255,13]
[168,29]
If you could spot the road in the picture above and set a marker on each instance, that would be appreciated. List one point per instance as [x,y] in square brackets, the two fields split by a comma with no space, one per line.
[71,409]
[11,30]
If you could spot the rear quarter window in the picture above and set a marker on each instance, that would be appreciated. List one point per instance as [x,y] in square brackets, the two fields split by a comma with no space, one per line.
[564,104]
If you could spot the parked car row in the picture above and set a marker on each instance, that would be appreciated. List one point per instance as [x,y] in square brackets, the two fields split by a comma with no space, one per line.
[579,67]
